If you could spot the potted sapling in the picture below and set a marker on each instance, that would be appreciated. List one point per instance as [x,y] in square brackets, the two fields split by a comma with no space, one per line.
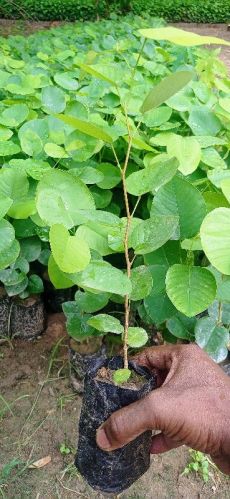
[86,343]
[24,288]
[114,383]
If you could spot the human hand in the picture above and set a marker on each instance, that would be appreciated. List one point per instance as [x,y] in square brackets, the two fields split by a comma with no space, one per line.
[191,406]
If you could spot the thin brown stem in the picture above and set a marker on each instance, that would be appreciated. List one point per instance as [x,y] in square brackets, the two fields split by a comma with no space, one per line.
[116,158]
[126,245]
[136,205]
[138,59]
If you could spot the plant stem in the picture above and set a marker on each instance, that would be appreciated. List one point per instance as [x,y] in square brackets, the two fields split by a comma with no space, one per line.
[126,245]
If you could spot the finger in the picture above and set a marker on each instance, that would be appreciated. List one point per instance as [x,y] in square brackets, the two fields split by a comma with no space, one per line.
[161,443]
[159,357]
[151,412]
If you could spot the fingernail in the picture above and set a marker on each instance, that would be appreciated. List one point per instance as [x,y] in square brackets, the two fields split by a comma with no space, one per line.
[102,440]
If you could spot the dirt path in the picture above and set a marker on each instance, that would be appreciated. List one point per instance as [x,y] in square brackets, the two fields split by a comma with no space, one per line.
[53,423]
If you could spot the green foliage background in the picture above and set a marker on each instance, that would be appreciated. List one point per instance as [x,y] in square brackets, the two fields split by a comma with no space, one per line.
[205,11]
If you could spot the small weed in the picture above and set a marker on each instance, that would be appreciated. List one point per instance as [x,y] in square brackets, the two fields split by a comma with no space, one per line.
[65,399]
[65,450]
[200,464]
[10,472]
[70,471]
[7,406]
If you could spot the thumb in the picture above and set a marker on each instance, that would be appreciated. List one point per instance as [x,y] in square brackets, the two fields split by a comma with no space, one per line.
[123,426]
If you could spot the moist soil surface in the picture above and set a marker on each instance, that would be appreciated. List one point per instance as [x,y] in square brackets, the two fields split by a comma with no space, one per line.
[39,415]
[135,382]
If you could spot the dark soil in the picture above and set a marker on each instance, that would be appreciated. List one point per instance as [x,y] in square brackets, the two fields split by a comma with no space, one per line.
[34,371]
[135,382]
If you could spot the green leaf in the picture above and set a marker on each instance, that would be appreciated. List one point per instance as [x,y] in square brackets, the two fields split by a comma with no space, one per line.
[182,327]
[191,289]
[54,151]
[215,238]
[152,177]
[44,256]
[94,240]
[33,135]
[216,312]
[215,200]
[100,221]
[116,235]
[57,277]
[106,324]
[217,177]
[87,174]
[9,254]
[225,186]
[53,100]
[7,235]
[188,152]
[14,115]
[180,37]
[137,337]
[151,234]
[112,176]
[193,244]
[18,288]
[76,325]
[71,253]
[203,121]
[167,255]
[157,116]
[65,81]
[61,198]
[5,133]
[183,200]
[30,248]
[213,159]
[212,338]
[5,204]
[102,197]
[165,89]
[9,148]
[121,376]
[158,273]
[35,285]
[138,143]
[90,70]
[89,302]
[13,183]
[103,277]
[86,127]
[159,308]
[141,281]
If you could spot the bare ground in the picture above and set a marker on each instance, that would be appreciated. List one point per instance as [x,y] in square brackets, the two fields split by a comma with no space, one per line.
[39,412]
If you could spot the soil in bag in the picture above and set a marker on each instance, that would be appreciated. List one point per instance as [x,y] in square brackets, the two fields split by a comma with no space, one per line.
[82,356]
[112,472]
[4,313]
[27,318]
